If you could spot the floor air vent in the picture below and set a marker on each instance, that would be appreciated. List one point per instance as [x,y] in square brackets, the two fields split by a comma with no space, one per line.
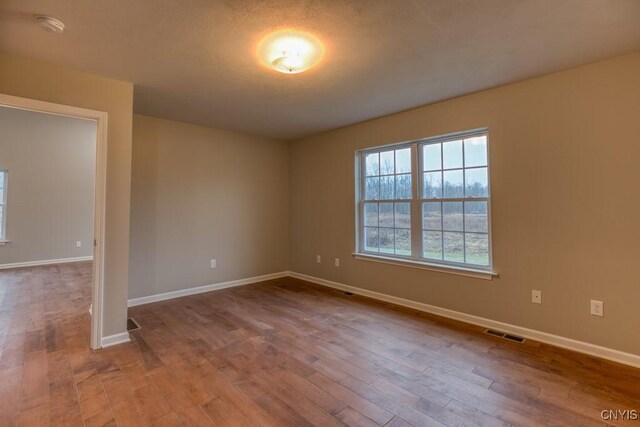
[514,338]
[504,335]
[494,333]
[132,325]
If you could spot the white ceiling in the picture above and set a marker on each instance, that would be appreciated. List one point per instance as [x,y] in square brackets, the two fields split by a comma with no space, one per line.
[194,60]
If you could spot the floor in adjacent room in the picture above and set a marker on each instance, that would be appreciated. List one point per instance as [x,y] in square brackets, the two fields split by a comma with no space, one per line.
[281,353]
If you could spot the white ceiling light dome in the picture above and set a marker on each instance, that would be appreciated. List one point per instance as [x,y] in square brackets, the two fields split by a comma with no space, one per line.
[290,51]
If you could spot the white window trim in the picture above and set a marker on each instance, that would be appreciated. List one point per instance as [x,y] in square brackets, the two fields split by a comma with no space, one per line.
[425,265]
[3,230]
[463,269]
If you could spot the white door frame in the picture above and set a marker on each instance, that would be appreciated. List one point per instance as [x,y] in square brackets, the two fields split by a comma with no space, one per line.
[100,118]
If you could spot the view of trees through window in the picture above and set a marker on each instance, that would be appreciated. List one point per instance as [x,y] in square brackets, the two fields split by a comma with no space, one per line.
[455,201]
[451,206]
[387,216]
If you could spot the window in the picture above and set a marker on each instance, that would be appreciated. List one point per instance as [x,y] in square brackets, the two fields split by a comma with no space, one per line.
[3,205]
[427,201]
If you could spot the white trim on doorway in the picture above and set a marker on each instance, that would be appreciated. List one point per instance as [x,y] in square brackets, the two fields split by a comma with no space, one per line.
[100,117]
[115,339]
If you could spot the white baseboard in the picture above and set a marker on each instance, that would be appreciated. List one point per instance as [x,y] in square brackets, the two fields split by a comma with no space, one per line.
[544,337]
[45,262]
[115,339]
[201,289]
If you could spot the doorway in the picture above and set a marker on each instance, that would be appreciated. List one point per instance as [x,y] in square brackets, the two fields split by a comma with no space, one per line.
[96,240]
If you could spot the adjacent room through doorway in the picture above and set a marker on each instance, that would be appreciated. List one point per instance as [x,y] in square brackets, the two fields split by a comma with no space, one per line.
[47,198]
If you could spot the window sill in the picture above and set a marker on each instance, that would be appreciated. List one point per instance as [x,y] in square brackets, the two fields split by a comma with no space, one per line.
[4,242]
[460,271]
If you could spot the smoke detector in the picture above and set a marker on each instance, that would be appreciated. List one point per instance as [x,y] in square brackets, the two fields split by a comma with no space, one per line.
[50,24]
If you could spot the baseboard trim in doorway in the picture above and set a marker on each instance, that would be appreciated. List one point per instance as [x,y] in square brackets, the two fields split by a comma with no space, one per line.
[544,337]
[45,262]
[201,289]
[115,339]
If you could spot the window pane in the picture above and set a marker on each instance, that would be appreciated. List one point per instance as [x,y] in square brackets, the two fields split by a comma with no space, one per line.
[372,164]
[431,157]
[477,183]
[403,215]
[452,154]
[403,186]
[386,187]
[1,195]
[432,244]
[371,239]
[453,247]
[453,192]
[477,248]
[431,216]
[371,190]
[386,214]
[2,174]
[386,163]
[475,217]
[432,185]
[386,240]
[475,151]
[452,219]
[453,184]
[403,242]
[403,160]
[371,214]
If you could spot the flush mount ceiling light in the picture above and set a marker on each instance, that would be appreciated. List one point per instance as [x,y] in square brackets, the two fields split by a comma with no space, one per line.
[290,52]
[50,24]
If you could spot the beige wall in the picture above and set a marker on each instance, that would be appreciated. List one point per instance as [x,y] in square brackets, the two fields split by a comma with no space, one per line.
[51,166]
[200,194]
[564,155]
[38,80]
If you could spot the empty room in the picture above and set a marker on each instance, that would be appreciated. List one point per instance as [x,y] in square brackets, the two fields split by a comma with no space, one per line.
[319,213]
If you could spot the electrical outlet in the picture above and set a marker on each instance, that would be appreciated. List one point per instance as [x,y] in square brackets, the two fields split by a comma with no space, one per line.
[78,244]
[213,263]
[318,259]
[536,297]
[597,308]
[337,262]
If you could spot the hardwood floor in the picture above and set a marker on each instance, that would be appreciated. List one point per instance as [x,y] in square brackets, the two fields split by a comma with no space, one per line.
[281,353]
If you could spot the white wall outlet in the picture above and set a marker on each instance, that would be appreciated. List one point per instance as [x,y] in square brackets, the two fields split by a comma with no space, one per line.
[213,263]
[318,259]
[337,262]
[78,244]
[597,308]
[536,297]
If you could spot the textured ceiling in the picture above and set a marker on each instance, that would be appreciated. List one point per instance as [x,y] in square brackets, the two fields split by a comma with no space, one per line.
[195,60]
